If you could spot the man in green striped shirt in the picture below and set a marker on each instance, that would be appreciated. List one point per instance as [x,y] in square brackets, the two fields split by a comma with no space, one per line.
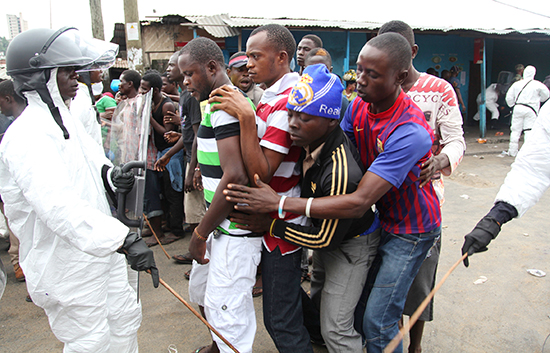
[226,257]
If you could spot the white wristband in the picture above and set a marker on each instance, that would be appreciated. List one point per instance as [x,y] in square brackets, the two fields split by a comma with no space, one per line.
[282,214]
[308,207]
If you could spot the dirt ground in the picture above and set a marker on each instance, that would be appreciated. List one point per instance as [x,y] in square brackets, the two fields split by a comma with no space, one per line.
[510,312]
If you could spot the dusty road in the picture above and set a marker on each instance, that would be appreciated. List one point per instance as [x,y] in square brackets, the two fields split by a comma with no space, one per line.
[510,312]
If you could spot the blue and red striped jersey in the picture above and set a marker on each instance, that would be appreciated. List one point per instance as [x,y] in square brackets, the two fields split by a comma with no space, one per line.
[394,144]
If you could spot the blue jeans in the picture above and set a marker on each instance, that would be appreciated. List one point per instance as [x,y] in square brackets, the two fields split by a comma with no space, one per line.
[282,295]
[400,256]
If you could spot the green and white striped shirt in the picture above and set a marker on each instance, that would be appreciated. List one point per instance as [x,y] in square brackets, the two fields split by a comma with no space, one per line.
[215,126]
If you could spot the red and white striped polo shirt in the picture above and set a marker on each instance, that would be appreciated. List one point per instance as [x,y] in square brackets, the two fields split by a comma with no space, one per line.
[272,123]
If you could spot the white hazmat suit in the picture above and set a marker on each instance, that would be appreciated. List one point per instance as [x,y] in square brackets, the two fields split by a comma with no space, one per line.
[530,174]
[524,97]
[82,108]
[491,98]
[55,201]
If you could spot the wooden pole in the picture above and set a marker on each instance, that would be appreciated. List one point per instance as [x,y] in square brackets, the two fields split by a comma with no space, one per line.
[407,327]
[155,234]
[197,314]
[98,31]
[133,35]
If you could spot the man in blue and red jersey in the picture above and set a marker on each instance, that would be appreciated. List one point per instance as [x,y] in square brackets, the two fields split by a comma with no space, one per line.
[394,142]
[437,99]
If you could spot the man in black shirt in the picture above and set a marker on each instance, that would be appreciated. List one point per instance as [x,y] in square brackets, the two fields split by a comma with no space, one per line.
[171,178]
[190,118]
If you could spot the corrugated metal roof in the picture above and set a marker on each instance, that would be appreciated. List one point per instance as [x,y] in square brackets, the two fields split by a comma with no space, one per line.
[227,26]
[120,64]
[485,30]
[245,22]
[218,26]
[300,22]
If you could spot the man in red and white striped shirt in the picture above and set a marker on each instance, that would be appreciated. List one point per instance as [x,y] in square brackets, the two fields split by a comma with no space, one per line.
[268,151]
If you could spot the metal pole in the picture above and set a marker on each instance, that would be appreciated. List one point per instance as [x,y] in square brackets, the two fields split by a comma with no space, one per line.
[482,115]
[240,41]
[346,60]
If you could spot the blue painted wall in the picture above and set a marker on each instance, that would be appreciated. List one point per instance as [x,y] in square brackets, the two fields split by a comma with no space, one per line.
[508,53]
[334,42]
[446,48]
[431,46]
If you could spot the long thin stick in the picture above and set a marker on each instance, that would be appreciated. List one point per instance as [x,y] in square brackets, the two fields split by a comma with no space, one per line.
[197,315]
[407,327]
[155,234]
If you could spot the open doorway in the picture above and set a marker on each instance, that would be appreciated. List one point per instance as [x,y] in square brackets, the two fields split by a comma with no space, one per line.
[474,88]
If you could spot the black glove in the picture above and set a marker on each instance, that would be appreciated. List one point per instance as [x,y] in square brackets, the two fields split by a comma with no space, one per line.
[123,181]
[139,256]
[477,240]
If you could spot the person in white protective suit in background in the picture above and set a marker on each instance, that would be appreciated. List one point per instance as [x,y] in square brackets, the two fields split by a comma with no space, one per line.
[491,98]
[523,187]
[54,190]
[83,105]
[524,98]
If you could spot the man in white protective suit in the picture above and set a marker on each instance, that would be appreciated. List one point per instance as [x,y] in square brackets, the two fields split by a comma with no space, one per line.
[83,105]
[491,98]
[523,187]
[524,98]
[53,180]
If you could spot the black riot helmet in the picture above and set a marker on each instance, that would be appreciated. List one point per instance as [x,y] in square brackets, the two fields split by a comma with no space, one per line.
[39,49]
[32,54]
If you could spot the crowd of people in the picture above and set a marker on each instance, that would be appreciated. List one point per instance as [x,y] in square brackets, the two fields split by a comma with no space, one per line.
[349,169]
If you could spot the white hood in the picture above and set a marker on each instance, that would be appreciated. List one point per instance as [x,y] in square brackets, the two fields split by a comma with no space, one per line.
[529,73]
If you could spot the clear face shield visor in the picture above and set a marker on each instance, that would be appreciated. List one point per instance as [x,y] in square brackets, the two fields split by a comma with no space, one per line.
[67,47]
[102,54]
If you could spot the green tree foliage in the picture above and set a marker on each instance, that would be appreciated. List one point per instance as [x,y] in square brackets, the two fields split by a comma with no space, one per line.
[3,44]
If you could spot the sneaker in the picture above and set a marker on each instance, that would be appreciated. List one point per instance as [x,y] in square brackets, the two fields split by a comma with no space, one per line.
[19,275]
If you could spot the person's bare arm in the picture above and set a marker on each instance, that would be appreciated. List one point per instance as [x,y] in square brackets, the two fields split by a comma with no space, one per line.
[263,199]
[160,164]
[162,129]
[108,114]
[171,117]
[257,159]
[233,172]
[174,97]
[189,185]
[432,166]
[172,136]
[448,125]
[459,96]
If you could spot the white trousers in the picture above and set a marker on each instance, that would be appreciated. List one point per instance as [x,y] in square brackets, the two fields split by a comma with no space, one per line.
[224,286]
[492,107]
[523,119]
[104,319]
